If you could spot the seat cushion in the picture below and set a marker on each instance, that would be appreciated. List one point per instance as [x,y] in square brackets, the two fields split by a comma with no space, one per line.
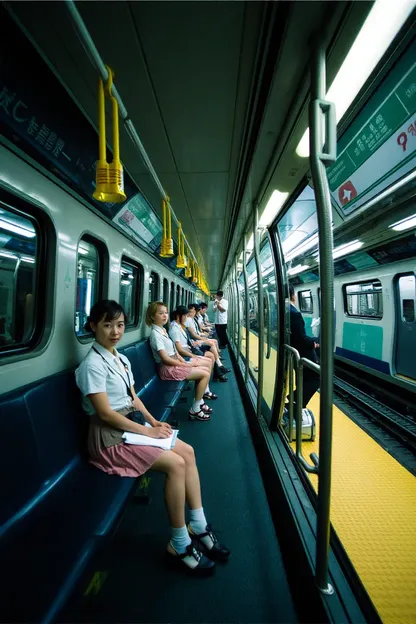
[55,409]
[20,477]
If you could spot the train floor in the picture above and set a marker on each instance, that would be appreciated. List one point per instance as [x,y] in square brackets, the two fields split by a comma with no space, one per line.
[135,585]
[373,506]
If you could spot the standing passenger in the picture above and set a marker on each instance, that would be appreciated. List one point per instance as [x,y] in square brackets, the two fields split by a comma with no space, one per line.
[171,365]
[107,385]
[220,308]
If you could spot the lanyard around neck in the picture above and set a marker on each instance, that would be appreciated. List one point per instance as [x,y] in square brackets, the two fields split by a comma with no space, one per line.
[118,372]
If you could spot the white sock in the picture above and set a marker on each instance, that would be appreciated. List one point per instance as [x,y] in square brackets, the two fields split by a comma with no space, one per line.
[208,390]
[219,362]
[196,406]
[180,539]
[198,521]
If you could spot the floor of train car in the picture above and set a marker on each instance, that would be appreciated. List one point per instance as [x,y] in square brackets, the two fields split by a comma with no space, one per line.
[251,587]
[373,507]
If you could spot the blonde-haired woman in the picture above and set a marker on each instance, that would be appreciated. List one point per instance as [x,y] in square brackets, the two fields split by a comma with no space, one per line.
[171,365]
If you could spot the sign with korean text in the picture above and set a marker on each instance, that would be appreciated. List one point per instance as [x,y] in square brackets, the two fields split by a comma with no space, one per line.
[383,147]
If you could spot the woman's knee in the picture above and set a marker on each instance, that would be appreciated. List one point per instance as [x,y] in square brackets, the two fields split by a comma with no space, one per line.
[188,454]
[177,466]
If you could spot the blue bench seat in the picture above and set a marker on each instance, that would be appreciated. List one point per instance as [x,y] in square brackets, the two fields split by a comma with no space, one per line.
[56,509]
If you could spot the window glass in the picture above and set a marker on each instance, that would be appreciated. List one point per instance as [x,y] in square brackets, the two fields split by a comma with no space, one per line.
[88,279]
[165,292]
[130,287]
[178,295]
[407,291]
[305,301]
[171,303]
[19,279]
[153,287]
[364,299]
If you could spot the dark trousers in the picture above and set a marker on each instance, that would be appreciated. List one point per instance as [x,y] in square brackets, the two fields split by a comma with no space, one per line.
[310,386]
[222,334]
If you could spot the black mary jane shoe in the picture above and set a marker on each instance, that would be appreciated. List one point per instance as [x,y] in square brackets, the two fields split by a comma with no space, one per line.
[210,396]
[209,544]
[201,415]
[222,378]
[225,370]
[205,408]
[192,561]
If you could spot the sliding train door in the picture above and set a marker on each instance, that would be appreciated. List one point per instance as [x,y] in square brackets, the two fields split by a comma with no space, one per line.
[406,326]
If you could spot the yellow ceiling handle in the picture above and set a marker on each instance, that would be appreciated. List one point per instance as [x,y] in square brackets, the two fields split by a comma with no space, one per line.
[180,260]
[166,245]
[109,176]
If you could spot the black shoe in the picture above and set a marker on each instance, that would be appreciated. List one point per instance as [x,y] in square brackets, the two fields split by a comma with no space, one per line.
[224,370]
[209,544]
[192,560]
[222,379]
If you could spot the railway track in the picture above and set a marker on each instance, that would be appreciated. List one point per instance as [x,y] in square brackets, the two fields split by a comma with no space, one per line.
[399,425]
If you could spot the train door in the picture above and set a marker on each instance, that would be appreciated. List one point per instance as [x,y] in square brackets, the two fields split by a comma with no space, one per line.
[271,330]
[406,325]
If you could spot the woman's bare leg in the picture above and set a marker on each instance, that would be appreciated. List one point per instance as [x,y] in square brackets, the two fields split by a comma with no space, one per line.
[192,483]
[174,466]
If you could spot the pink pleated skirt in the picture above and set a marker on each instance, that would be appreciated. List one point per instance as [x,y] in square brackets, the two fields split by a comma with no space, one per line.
[126,460]
[175,373]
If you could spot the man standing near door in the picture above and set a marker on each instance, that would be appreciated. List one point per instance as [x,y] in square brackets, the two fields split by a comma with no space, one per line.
[220,308]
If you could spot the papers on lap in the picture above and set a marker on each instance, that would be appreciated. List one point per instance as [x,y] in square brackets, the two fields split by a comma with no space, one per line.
[142,440]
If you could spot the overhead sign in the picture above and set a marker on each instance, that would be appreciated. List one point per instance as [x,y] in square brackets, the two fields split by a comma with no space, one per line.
[382,147]
[137,219]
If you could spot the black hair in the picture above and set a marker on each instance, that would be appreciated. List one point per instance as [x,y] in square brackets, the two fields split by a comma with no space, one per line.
[107,310]
[291,291]
[180,311]
[220,293]
[203,305]
[193,305]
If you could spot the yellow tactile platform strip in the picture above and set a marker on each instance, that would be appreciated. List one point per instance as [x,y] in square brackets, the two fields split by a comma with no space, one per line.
[373,510]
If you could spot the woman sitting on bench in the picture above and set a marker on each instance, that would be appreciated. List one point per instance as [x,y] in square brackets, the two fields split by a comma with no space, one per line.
[172,366]
[107,385]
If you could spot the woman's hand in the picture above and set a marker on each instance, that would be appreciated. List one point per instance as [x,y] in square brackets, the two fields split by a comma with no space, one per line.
[161,430]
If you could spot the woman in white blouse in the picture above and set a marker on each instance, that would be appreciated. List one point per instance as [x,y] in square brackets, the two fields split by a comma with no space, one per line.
[171,365]
[106,382]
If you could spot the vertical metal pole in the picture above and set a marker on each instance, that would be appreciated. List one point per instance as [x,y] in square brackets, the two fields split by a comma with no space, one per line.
[323,206]
[256,238]
[237,298]
[247,306]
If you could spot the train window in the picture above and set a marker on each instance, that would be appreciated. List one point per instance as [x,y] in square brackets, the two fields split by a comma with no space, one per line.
[153,287]
[305,301]
[171,303]
[19,280]
[182,297]
[130,289]
[407,291]
[178,296]
[89,270]
[365,299]
[166,291]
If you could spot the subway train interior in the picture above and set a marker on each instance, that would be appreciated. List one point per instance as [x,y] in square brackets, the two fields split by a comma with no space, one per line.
[165,151]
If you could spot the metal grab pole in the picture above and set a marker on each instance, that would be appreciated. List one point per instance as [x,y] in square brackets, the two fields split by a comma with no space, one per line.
[96,60]
[256,238]
[247,306]
[237,296]
[323,206]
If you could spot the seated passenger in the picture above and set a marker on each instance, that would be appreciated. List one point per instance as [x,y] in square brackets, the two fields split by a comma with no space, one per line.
[204,314]
[202,341]
[107,385]
[171,365]
[179,336]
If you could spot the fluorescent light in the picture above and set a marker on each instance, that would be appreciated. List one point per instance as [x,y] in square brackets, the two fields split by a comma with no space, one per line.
[250,244]
[404,224]
[298,269]
[82,251]
[308,244]
[273,206]
[3,254]
[343,250]
[380,28]
[27,259]
[17,229]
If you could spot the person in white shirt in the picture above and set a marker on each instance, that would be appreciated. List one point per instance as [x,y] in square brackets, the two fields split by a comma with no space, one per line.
[171,365]
[220,308]
[179,335]
[107,385]
[200,341]
[204,314]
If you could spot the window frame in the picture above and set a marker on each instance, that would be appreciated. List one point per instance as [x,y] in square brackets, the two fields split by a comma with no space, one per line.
[157,283]
[44,282]
[166,291]
[137,293]
[102,277]
[300,300]
[345,298]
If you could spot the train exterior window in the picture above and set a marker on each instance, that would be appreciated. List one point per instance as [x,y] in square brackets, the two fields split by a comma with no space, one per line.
[305,301]
[130,289]
[364,300]
[153,287]
[88,282]
[19,280]
[165,291]
[407,291]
